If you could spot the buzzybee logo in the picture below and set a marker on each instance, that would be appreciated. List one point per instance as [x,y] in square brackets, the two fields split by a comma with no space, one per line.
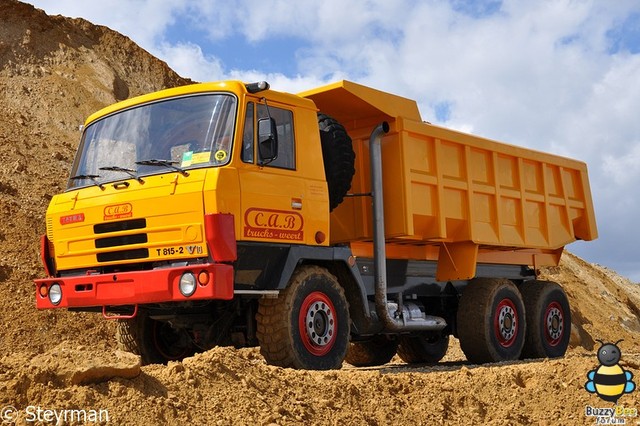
[609,381]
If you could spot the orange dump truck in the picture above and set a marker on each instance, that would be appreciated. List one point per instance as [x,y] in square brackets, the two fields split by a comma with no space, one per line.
[231,214]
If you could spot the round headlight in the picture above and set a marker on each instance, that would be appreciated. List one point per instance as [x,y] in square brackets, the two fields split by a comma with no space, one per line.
[55,294]
[187,284]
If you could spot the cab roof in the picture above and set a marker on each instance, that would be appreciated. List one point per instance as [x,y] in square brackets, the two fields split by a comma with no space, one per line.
[231,86]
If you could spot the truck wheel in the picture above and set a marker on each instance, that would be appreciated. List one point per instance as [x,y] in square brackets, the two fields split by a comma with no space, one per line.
[491,321]
[377,351]
[548,319]
[338,157]
[155,341]
[307,325]
[423,347]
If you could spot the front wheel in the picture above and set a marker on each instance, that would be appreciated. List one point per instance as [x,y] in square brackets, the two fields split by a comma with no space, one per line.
[548,319]
[491,321]
[157,342]
[307,325]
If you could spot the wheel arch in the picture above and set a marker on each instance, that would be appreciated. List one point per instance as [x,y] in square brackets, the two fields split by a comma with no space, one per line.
[337,261]
[354,292]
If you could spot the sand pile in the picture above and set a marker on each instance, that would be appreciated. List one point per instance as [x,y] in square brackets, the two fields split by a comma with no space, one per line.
[54,72]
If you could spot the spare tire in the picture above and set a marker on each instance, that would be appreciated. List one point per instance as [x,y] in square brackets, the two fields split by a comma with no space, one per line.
[338,158]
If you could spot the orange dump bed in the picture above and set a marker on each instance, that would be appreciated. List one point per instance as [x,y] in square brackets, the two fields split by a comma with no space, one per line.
[453,196]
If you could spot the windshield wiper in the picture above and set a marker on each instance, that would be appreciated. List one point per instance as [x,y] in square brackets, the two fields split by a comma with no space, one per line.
[164,163]
[130,172]
[93,178]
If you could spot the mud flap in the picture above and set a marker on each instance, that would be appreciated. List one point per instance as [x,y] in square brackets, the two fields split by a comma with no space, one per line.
[457,261]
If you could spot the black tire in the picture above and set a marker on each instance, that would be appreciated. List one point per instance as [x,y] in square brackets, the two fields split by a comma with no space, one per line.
[423,348]
[307,325]
[491,321]
[338,158]
[377,351]
[155,341]
[548,319]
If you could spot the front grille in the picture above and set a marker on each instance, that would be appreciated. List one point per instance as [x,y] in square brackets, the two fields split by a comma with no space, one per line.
[118,241]
[113,256]
[123,240]
[123,225]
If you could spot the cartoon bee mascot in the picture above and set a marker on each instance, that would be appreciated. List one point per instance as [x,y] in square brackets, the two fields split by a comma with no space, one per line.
[609,381]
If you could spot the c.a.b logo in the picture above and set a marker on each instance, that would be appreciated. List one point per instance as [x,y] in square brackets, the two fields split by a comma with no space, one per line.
[609,381]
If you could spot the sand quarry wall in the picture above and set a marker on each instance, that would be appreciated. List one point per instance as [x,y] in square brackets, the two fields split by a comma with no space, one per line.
[54,72]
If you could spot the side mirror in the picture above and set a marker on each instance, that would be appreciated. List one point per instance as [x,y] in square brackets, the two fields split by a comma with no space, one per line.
[267,140]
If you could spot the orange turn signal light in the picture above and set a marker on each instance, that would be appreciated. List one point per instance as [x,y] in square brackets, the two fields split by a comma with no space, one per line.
[43,290]
[203,278]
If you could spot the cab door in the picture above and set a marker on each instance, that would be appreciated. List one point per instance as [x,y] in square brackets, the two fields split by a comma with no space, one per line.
[272,190]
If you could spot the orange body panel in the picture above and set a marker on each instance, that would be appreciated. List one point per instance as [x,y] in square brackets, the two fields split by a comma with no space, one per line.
[467,198]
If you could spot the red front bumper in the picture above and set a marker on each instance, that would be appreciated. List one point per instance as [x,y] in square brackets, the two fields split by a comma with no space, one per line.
[136,288]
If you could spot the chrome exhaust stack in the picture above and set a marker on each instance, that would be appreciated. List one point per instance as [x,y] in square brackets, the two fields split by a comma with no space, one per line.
[401,320]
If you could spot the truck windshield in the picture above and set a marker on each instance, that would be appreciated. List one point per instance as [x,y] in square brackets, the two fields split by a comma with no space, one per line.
[160,137]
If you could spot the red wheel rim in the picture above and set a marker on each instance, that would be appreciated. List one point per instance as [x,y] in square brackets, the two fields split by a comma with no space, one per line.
[506,323]
[553,324]
[317,323]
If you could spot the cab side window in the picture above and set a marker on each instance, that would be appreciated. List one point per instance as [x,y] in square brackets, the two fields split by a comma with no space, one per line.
[286,147]
[284,124]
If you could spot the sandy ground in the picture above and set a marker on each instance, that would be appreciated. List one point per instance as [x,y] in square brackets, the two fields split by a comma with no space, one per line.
[56,71]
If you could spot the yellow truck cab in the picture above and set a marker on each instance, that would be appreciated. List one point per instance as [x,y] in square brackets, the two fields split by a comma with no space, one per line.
[220,213]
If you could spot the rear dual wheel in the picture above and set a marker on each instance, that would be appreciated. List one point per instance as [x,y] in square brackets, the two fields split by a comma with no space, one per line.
[498,321]
[548,319]
[491,321]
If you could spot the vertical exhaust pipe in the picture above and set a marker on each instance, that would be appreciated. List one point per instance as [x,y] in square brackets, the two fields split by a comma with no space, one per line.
[401,323]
